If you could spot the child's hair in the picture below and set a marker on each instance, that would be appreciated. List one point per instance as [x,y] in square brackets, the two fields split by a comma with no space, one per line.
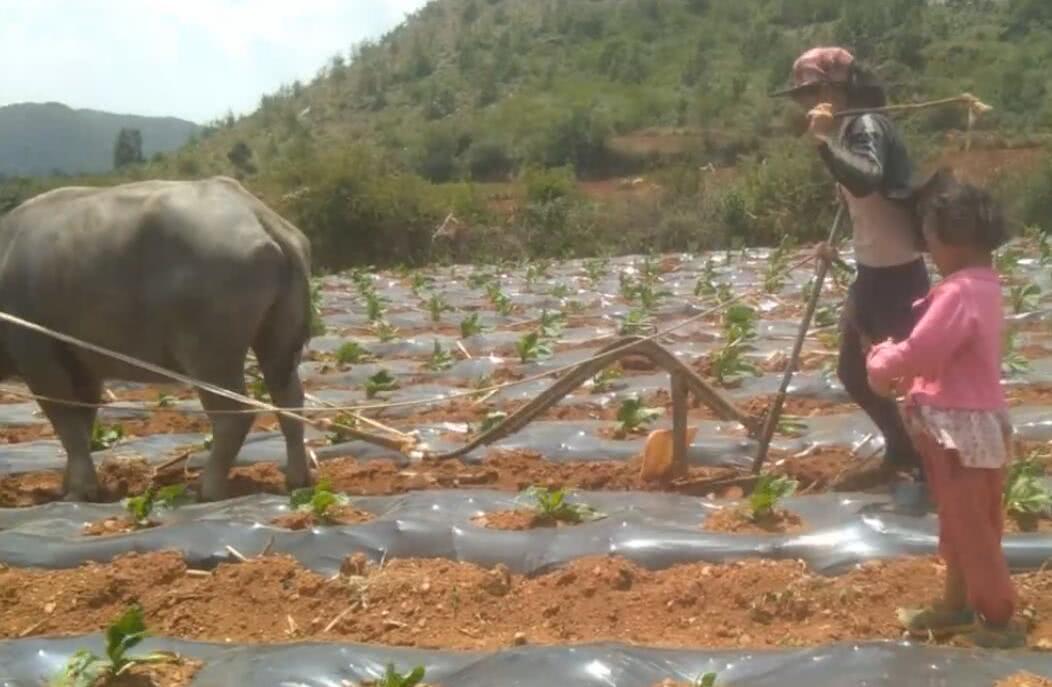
[963,214]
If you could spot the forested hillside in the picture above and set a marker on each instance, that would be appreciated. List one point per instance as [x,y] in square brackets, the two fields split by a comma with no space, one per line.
[515,117]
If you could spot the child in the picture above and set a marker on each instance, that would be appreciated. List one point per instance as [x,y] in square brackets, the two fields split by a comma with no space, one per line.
[956,414]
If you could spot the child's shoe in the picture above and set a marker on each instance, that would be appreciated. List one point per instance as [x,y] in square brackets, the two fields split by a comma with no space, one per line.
[936,622]
[1011,635]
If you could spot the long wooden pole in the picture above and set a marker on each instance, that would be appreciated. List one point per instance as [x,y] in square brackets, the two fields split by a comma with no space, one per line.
[775,411]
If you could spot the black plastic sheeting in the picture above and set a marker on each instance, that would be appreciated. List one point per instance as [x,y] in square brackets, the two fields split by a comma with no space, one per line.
[29,663]
[655,530]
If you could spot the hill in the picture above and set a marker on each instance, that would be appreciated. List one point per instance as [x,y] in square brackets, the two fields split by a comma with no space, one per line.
[44,138]
[557,127]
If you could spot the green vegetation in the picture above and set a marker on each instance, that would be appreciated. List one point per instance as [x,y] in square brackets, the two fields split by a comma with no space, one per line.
[552,505]
[105,437]
[392,678]
[1025,497]
[493,110]
[352,353]
[318,500]
[141,507]
[381,381]
[85,669]
[633,416]
[768,492]
[440,359]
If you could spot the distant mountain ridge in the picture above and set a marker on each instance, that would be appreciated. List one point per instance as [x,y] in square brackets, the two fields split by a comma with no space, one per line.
[41,138]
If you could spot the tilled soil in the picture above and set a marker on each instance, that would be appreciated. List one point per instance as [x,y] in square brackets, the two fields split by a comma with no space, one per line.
[501,470]
[336,515]
[1025,680]
[737,520]
[440,604]
[176,674]
[518,520]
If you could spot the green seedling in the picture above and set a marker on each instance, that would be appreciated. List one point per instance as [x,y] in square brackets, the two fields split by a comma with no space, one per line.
[708,272]
[534,271]
[1025,497]
[1024,298]
[420,282]
[1013,363]
[596,269]
[827,316]
[392,678]
[729,366]
[104,437]
[768,492]
[633,416]
[704,287]
[352,353]
[551,324]
[774,278]
[384,330]
[706,680]
[552,505]
[379,382]
[440,359]
[559,291]
[649,297]
[141,507]
[257,389]
[374,307]
[1006,260]
[636,321]
[339,433]
[166,401]
[492,420]
[724,294]
[604,381]
[317,324]
[471,326]
[739,323]
[318,500]
[436,305]
[530,348]
[85,669]
[791,426]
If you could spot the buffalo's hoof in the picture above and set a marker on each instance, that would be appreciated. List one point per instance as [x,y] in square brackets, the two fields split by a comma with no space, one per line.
[214,489]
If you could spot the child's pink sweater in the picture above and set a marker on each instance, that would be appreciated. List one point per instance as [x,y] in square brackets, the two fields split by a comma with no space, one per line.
[953,355]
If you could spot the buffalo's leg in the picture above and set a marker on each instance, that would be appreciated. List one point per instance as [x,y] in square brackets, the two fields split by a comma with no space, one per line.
[283,382]
[228,429]
[72,424]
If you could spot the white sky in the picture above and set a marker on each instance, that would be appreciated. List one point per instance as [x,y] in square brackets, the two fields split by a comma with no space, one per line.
[193,59]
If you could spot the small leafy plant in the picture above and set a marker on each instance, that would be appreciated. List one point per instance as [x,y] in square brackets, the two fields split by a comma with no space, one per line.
[739,323]
[141,507]
[384,330]
[530,348]
[552,505]
[381,381]
[633,416]
[85,669]
[492,420]
[706,680]
[352,353]
[440,359]
[551,324]
[392,678]
[471,326]
[596,269]
[318,500]
[729,366]
[375,307]
[165,401]
[420,282]
[636,321]
[826,316]
[436,305]
[1013,363]
[1024,298]
[104,437]
[1025,497]
[559,291]
[768,492]
[603,382]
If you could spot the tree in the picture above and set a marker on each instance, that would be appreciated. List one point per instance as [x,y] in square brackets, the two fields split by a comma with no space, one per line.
[128,148]
[240,155]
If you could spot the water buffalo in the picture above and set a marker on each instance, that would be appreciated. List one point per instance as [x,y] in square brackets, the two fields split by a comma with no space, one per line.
[187,275]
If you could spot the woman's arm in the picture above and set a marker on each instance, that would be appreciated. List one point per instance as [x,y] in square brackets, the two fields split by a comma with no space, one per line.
[858,162]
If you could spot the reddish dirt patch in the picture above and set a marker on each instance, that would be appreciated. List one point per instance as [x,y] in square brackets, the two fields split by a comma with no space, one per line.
[817,471]
[118,478]
[443,604]
[737,521]
[158,422]
[1025,680]
[518,520]
[120,524]
[1031,394]
[335,516]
